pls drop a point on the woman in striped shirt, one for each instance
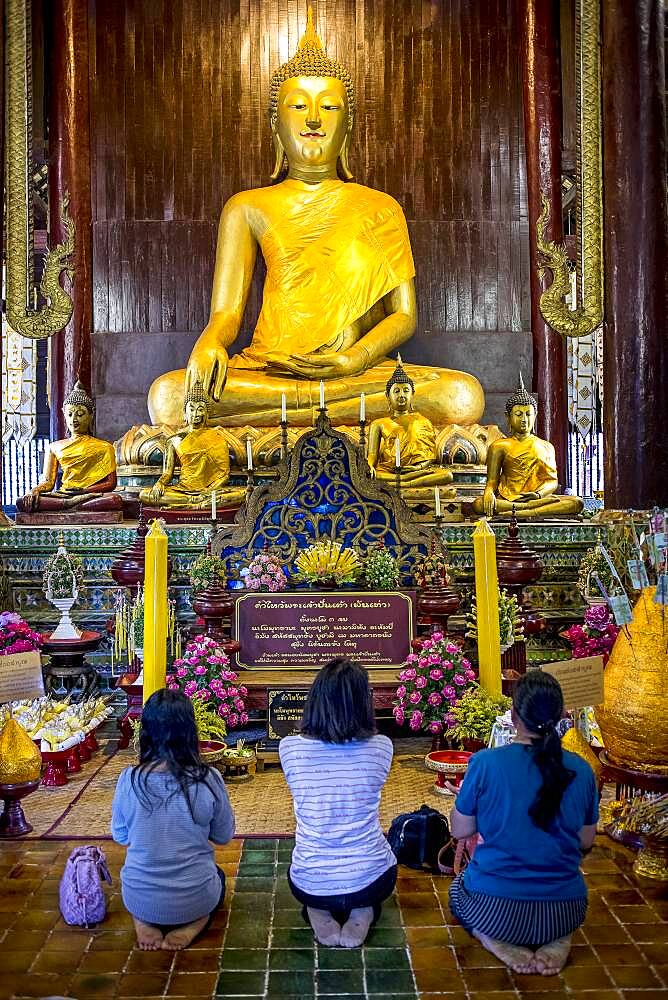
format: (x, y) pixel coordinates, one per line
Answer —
(535, 807)
(342, 866)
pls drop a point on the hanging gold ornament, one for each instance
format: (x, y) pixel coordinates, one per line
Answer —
(20, 760)
(574, 741)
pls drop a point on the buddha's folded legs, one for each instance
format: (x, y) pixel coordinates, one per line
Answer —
(552, 506)
(253, 397)
(63, 502)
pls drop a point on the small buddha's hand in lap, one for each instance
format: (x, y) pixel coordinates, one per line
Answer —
(208, 365)
(156, 493)
(525, 497)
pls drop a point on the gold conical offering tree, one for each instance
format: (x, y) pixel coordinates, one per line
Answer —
(634, 714)
(20, 760)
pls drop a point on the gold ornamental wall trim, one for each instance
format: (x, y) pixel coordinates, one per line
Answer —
(551, 256)
(34, 323)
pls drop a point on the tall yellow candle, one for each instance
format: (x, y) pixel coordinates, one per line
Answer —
(487, 604)
(156, 610)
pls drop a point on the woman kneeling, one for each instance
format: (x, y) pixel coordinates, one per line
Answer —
(342, 866)
(535, 807)
(166, 810)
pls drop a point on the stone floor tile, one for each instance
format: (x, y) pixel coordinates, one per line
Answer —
(486, 979)
(439, 979)
(434, 958)
(297, 982)
(192, 984)
(244, 959)
(133, 984)
(331, 959)
(241, 984)
(86, 986)
(338, 981)
(292, 959)
(634, 976)
(107, 961)
(389, 981)
(586, 977)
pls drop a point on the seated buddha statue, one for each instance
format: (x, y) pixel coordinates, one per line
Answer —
(522, 468)
(415, 434)
(201, 453)
(339, 292)
(85, 464)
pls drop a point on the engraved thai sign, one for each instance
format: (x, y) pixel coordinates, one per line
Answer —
(303, 631)
(581, 680)
(21, 676)
(285, 707)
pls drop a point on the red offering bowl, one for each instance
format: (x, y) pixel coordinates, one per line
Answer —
(56, 768)
(12, 821)
(450, 765)
(73, 761)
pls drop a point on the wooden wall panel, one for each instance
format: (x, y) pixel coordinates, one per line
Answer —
(179, 93)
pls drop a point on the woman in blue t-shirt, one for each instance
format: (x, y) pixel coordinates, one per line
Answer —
(535, 807)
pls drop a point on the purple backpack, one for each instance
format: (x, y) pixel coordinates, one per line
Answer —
(82, 900)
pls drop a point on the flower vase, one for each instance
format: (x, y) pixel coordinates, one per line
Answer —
(66, 628)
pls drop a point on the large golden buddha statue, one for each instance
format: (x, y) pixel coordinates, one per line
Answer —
(86, 465)
(197, 462)
(408, 435)
(339, 293)
(522, 468)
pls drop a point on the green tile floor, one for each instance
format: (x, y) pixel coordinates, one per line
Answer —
(270, 952)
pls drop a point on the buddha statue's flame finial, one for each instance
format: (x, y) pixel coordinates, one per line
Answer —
(310, 38)
(399, 375)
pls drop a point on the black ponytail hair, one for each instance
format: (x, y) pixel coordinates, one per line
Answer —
(539, 703)
(168, 739)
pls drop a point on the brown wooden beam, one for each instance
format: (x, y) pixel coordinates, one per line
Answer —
(635, 356)
(69, 171)
(542, 137)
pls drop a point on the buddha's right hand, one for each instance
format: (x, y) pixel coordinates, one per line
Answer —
(208, 365)
(156, 492)
(488, 502)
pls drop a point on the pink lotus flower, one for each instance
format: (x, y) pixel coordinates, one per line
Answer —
(173, 687)
(436, 674)
(412, 658)
(470, 675)
(182, 672)
(435, 698)
(243, 718)
(410, 674)
(415, 697)
(243, 690)
(199, 670)
(420, 682)
(415, 720)
(437, 636)
(190, 689)
(399, 715)
(435, 727)
(459, 680)
(449, 691)
(451, 648)
(224, 710)
(401, 691)
(233, 719)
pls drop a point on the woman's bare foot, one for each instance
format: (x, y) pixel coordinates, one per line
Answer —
(325, 927)
(149, 938)
(183, 936)
(520, 960)
(552, 957)
(354, 931)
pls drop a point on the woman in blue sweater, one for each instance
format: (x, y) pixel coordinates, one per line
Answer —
(168, 810)
(536, 807)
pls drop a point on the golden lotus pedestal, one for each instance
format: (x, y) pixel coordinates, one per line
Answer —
(652, 860)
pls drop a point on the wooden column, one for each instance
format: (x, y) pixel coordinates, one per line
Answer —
(542, 139)
(69, 171)
(635, 418)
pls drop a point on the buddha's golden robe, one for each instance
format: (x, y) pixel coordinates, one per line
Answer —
(336, 251)
(527, 466)
(205, 463)
(417, 442)
(84, 461)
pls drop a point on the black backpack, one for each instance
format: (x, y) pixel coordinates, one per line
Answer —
(417, 838)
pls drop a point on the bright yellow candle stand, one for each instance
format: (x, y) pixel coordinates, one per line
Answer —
(487, 604)
(156, 610)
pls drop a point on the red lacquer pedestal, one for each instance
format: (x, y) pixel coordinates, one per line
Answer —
(55, 775)
(12, 820)
(450, 765)
(134, 694)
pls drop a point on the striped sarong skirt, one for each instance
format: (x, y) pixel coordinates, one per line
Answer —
(527, 922)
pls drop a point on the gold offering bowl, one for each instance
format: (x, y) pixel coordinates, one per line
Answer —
(212, 751)
(652, 860)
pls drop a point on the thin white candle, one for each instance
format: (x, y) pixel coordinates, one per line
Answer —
(362, 408)
(322, 395)
(249, 455)
(437, 498)
(397, 453)
(284, 409)
(213, 505)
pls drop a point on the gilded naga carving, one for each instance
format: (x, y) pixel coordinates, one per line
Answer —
(589, 313)
(22, 317)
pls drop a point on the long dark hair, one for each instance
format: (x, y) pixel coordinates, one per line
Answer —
(168, 737)
(539, 704)
(339, 706)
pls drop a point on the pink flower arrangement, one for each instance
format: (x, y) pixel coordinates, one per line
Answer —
(16, 636)
(596, 636)
(203, 672)
(264, 573)
(432, 681)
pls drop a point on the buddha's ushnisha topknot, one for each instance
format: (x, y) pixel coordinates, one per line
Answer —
(399, 375)
(521, 398)
(197, 393)
(79, 397)
(310, 59)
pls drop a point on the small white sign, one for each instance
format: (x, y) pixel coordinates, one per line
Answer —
(581, 680)
(21, 676)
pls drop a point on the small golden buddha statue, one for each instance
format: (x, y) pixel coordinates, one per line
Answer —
(87, 466)
(202, 454)
(522, 468)
(414, 433)
(339, 293)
